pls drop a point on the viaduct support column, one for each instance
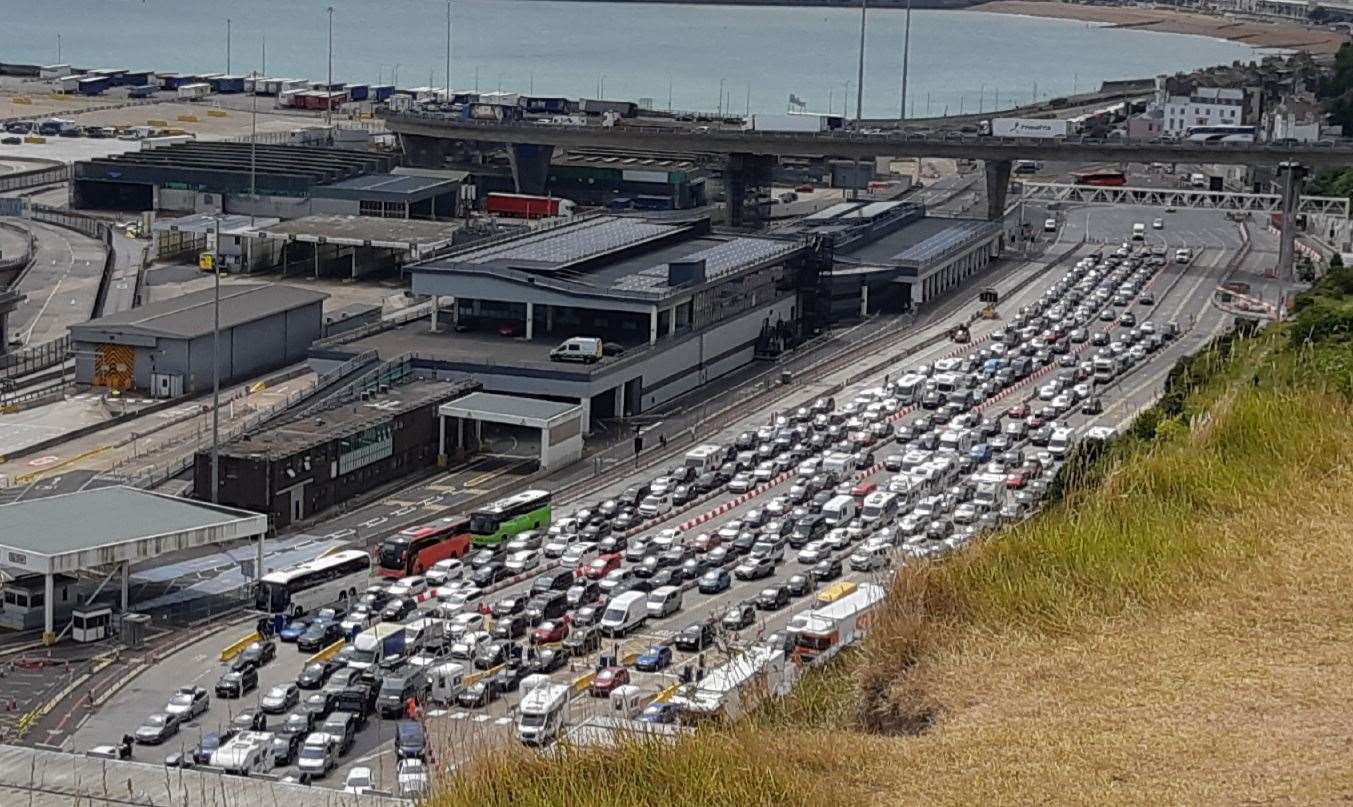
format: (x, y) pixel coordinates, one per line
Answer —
(530, 166)
(1293, 174)
(743, 177)
(425, 152)
(998, 183)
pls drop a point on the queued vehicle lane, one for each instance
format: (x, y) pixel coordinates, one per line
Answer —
(495, 723)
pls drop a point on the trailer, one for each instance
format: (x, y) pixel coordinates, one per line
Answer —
(525, 206)
(358, 92)
(491, 111)
(291, 99)
(597, 106)
(134, 78)
(142, 91)
(820, 633)
(1038, 128)
(381, 92)
(54, 71)
(152, 142)
(68, 83)
(193, 92)
(730, 691)
(227, 84)
(788, 122)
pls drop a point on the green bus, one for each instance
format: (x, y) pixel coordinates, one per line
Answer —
(498, 522)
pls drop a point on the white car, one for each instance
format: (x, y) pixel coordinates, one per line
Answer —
(814, 551)
(444, 571)
(413, 778)
(358, 781)
(1063, 403)
(666, 538)
(1158, 224)
(837, 538)
(523, 560)
(465, 648)
(1050, 225)
(409, 586)
(764, 471)
(730, 531)
(740, 483)
(466, 622)
(577, 554)
(966, 513)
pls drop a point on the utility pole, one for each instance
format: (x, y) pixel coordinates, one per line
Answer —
(329, 83)
(906, 59)
(227, 46)
(859, 96)
(448, 51)
(216, 368)
(721, 81)
(58, 48)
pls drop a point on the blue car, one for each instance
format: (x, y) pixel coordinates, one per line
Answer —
(293, 629)
(654, 659)
(659, 713)
(980, 452)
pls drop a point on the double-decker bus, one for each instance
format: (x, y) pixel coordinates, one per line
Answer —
(1106, 178)
(313, 584)
(416, 549)
(528, 510)
(1220, 134)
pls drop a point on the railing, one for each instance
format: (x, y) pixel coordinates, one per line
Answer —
(34, 358)
(31, 179)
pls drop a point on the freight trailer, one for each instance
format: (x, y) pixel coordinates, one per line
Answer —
(525, 206)
(381, 92)
(1040, 128)
(193, 92)
(791, 122)
(227, 84)
(94, 85)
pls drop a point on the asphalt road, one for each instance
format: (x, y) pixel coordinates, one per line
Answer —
(61, 285)
(1183, 296)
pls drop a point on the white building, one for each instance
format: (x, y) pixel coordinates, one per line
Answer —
(1296, 119)
(1207, 106)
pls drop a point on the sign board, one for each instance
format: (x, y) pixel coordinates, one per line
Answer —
(206, 261)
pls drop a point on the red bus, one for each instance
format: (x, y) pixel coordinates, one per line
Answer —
(1107, 178)
(416, 549)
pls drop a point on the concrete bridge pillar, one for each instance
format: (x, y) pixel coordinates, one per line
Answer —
(998, 183)
(425, 152)
(530, 166)
(745, 175)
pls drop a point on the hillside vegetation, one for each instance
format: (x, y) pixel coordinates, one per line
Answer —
(1176, 629)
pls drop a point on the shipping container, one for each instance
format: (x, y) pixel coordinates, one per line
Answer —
(358, 92)
(625, 109)
(193, 92)
(1043, 129)
(547, 105)
(54, 71)
(227, 84)
(491, 112)
(500, 98)
(381, 92)
(524, 206)
(68, 83)
(143, 91)
(134, 78)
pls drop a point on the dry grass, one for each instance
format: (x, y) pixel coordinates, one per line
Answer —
(1181, 633)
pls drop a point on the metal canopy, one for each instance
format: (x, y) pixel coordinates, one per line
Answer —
(87, 529)
(510, 409)
(1180, 197)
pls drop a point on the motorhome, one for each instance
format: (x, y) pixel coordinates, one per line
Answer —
(541, 713)
(245, 753)
(820, 633)
(879, 506)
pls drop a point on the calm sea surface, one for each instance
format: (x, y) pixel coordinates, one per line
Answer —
(960, 60)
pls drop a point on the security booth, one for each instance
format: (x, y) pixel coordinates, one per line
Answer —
(547, 430)
(134, 629)
(91, 624)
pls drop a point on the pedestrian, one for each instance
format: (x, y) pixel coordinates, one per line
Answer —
(662, 440)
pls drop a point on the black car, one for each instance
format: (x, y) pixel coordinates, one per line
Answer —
(157, 728)
(551, 605)
(581, 641)
(692, 569)
(318, 704)
(319, 635)
(285, 747)
(491, 654)
(477, 695)
(660, 578)
(237, 682)
(682, 494)
(398, 608)
(296, 724)
(255, 655)
(508, 679)
(582, 593)
(490, 573)
(696, 637)
(510, 627)
(211, 742)
(316, 674)
(773, 599)
(800, 585)
(397, 688)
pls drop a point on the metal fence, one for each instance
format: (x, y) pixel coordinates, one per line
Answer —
(31, 179)
(34, 358)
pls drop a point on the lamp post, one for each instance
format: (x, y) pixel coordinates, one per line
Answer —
(448, 51)
(216, 367)
(329, 83)
(906, 58)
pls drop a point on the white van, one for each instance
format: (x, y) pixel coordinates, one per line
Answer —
(624, 613)
(839, 510)
(663, 601)
(655, 505)
(586, 349)
(1139, 232)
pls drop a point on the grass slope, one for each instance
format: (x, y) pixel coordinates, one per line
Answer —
(1175, 630)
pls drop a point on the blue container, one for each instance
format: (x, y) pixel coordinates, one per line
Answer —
(358, 92)
(227, 84)
(94, 86)
(381, 92)
(143, 91)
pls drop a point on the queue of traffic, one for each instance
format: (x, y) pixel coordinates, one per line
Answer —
(447, 623)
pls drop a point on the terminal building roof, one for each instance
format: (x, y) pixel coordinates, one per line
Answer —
(614, 257)
(190, 316)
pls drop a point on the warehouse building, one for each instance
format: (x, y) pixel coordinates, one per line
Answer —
(891, 256)
(675, 305)
(301, 468)
(165, 349)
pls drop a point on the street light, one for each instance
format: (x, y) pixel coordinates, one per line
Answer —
(216, 366)
(329, 84)
(906, 58)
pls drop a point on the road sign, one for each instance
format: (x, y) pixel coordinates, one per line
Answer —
(206, 261)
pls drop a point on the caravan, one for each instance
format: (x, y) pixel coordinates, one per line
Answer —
(542, 713)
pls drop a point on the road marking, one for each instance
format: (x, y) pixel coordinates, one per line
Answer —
(503, 721)
(403, 511)
(343, 533)
(436, 713)
(459, 715)
(481, 718)
(374, 522)
(431, 500)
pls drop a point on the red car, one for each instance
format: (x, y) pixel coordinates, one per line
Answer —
(1035, 422)
(863, 489)
(706, 541)
(1017, 480)
(556, 630)
(605, 682)
(602, 566)
(510, 329)
(1019, 410)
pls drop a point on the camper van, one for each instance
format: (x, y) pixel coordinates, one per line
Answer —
(541, 713)
(448, 680)
(880, 506)
(1061, 441)
(585, 349)
(839, 510)
(706, 457)
(247, 752)
(625, 613)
